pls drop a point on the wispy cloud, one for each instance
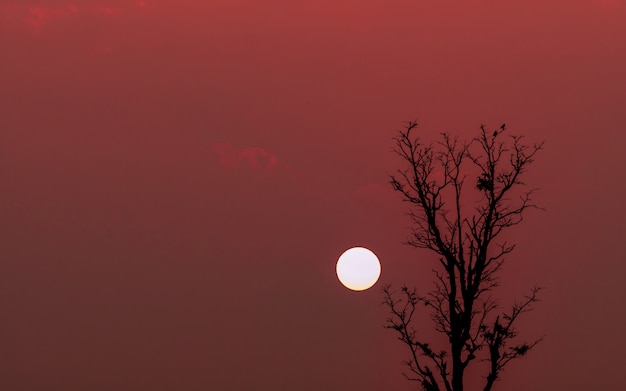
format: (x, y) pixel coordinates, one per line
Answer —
(255, 158)
(38, 15)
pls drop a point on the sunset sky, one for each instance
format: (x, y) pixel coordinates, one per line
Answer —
(179, 177)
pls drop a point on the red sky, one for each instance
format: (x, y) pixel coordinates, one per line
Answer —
(178, 178)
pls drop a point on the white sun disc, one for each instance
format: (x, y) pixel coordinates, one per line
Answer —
(358, 268)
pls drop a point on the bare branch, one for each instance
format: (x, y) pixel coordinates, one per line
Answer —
(499, 336)
(463, 226)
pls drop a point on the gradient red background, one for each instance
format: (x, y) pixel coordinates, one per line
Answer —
(178, 178)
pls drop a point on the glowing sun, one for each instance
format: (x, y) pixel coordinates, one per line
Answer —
(358, 268)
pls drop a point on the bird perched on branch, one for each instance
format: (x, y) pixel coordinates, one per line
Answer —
(502, 127)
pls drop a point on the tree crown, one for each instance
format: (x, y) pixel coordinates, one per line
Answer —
(463, 226)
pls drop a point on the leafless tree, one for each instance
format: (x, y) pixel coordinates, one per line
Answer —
(463, 194)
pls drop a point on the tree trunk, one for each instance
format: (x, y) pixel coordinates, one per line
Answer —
(457, 366)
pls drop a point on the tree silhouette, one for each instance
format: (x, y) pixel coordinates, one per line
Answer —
(462, 225)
